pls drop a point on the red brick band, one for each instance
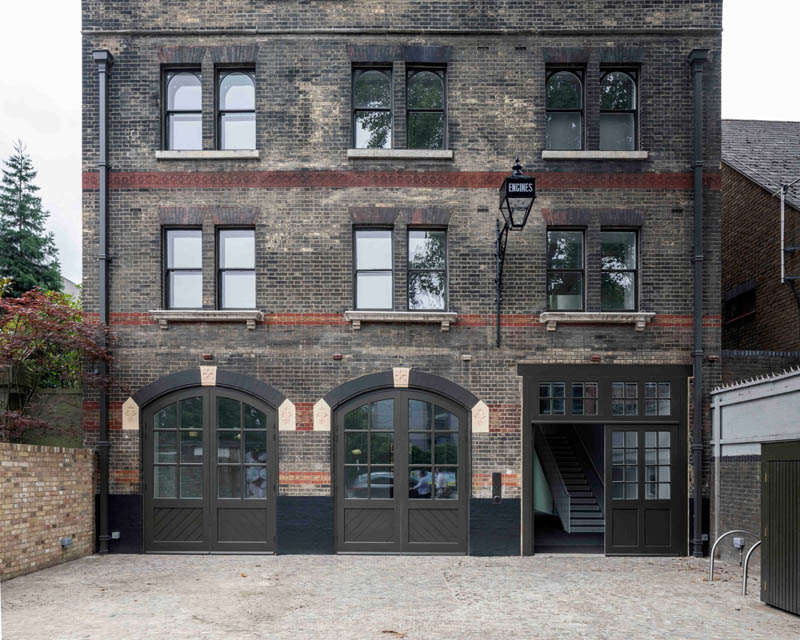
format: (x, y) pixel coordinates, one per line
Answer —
(388, 179)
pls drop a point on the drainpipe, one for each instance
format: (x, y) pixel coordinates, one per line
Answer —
(104, 60)
(697, 59)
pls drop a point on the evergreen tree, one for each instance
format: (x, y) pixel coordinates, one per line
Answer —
(28, 254)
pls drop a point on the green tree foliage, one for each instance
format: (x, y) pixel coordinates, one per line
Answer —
(28, 255)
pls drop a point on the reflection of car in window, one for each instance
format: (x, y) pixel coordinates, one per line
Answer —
(382, 485)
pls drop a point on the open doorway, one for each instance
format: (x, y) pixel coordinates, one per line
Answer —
(568, 488)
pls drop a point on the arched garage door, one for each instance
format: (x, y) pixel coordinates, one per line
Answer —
(401, 466)
(210, 472)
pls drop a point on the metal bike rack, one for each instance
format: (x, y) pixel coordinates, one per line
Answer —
(744, 569)
(718, 540)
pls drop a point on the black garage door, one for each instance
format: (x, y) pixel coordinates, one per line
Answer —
(401, 474)
(645, 490)
(210, 473)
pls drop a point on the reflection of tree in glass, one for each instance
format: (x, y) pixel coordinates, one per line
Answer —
(418, 455)
(373, 90)
(563, 91)
(446, 453)
(425, 129)
(616, 287)
(564, 251)
(617, 91)
(426, 288)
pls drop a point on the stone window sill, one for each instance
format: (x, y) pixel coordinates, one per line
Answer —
(399, 154)
(243, 154)
(445, 318)
(594, 155)
(165, 316)
(638, 318)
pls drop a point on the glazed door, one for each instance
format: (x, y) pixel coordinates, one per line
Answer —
(645, 490)
(401, 473)
(210, 473)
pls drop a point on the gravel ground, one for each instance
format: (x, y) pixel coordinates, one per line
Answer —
(384, 597)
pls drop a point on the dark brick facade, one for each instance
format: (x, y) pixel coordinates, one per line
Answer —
(750, 256)
(740, 503)
(304, 195)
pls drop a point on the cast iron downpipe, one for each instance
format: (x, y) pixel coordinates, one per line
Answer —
(697, 59)
(104, 60)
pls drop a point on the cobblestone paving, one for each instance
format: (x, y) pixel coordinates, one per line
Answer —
(547, 596)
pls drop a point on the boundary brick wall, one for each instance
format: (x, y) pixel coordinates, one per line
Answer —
(740, 504)
(46, 493)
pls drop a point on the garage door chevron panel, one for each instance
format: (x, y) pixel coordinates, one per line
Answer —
(177, 525)
(369, 525)
(439, 525)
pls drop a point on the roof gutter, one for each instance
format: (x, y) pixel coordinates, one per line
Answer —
(697, 60)
(104, 60)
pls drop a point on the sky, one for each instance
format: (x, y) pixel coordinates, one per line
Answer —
(40, 91)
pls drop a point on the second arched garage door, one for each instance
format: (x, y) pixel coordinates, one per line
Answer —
(401, 464)
(210, 472)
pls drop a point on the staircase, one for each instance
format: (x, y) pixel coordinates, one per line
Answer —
(585, 515)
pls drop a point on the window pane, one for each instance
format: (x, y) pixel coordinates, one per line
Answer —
(185, 290)
(237, 249)
(166, 446)
(373, 130)
(425, 91)
(443, 420)
(184, 249)
(563, 131)
(426, 249)
(616, 291)
(381, 483)
(167, 418)
(419, 415)
(183, 92)
(419, 483)
(419, 448)
(565, 249)
(253, 418)
(184, 131)
(192, 413)
(255, 482)
(356, 482)
(617, 132)
(166, 482)
(564, 91)
(373, 90)
(617, 91)
(238, 131)
(255, 447)
(239, 290)
(374, 249)
(237, 91)
(557, 389)
(618, 250)
(446, 448)
(564, 291)
(229, 482)
(425, 130)
(381, 449)
(228, 414)
(355, 447)
(357, 418)
(425, 290)
(374, 290)
(192, 482)
(382, 415)
(445, 484)
(191, 446)
(663, 438)
(229, 447)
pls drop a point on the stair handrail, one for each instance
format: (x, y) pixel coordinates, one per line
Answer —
(717, 541)
(557, 485)
(593, 476)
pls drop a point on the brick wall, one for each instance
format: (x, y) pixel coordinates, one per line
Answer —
(303, 194)
(740, 504)
(749, 255)
(745, 363)
(46, 493)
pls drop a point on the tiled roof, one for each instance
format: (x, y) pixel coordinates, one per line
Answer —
(767, 152)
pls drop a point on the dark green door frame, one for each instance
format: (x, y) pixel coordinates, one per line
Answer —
(604, 375)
